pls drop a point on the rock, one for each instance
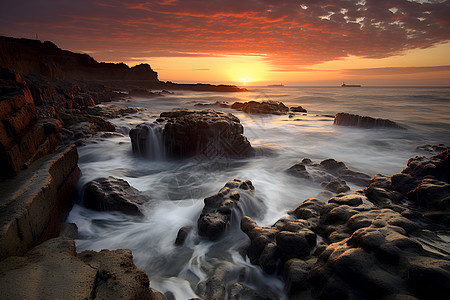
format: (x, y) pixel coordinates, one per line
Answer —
(336, 186)
(23, 139)
(53, 270)
(182, 234)
(188, 133)
(69, 230)
(34, 202)
(424, 182)
(49, 271)
(113, 194)
(216, 214)
(298, 109)
(328, 170)
(434, 149)
(117, 275)
(346, 119)
(290, 237)
(140, 93)
(214, 287)
(148, 141)
(264, 107)
(222, 104)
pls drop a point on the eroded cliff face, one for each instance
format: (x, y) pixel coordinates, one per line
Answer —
(45, 58)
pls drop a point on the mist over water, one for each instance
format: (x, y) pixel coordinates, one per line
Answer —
(177, 188)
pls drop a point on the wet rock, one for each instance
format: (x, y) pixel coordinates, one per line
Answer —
(434, 149)
(290, 237)
(328, 170)
(264, 107)
(336, 186)
(298, 109)
(216, 214)
(222, 104)
(182, 235)
(424, 183)
(112, 194)
(208, 133)
(346, 119)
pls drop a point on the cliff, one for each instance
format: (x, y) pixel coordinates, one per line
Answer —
(27, 56)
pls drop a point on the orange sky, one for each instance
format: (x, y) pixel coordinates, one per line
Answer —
(256, 42)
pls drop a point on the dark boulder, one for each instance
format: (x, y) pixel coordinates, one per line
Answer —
(264, 107)
(189, 132)
(113, 194)
(298, 109)
(346, 119)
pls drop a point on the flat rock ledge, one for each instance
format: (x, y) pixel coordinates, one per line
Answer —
(346, 119)
(33, 203)
(53, 270)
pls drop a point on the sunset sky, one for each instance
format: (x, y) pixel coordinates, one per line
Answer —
(256, 42)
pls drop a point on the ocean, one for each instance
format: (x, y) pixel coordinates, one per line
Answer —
(177, 188)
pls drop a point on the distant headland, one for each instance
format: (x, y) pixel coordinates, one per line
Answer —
(26, 56)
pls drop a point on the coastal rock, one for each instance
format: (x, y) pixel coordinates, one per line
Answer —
(298, 109)
(327, 171)
(346, 119)
(23, 139)
(182, 235)
(424, 183)
(189, 132)
(290, 237)
(264, 107)
(368, 252)
(222, 104)
(34, 202)
(53, 270)
(216, 214)
(113, 194)
(117, 276)
(434, 149)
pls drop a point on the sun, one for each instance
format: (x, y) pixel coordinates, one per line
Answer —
(245, 80)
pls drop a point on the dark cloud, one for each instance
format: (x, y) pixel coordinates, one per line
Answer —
(288, 31)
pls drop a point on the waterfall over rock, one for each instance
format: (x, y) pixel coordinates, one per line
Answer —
(148, 141)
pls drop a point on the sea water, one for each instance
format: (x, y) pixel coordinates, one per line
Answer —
(177, 188)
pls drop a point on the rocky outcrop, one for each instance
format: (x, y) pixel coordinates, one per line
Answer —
(425, 183)
(346, 119)
(264, 107)
(328, 171)
(113, 194)
(81, 124)
(367, 253)
(53, 270)
(290, 237)
(222, 104)
(189, 132)
(23, 139)
(216, 214)
(34, 202)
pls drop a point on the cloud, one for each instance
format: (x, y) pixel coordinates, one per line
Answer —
(288, 32)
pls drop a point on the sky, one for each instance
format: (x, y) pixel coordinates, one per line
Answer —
(251, 42)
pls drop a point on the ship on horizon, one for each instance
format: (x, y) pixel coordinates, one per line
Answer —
(350, 85)
(275, 85)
